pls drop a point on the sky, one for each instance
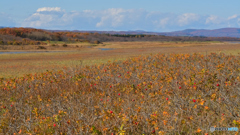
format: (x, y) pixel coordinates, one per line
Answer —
(120, 15)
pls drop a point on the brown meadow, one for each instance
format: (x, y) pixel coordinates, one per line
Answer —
(162, 93)
(16, 65)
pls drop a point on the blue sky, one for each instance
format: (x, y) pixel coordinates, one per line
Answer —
(152, 15)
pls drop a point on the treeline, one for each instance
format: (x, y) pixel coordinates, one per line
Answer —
(30, 36)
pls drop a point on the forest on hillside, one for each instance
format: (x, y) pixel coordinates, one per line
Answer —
(31, 36)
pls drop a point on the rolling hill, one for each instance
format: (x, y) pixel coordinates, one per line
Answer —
(22, 36)
(224, 32)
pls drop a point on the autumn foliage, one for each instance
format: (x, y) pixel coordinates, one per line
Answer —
(155, 94)
(31, 36)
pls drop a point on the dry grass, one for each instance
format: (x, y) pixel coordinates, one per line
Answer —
(58, 46)
(149, 44)
(16, 65)
(52, 46)
(13, 65)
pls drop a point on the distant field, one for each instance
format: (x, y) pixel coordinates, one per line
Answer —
(13, 65)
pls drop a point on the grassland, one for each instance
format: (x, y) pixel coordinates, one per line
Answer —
(16, 65)
(174, 90)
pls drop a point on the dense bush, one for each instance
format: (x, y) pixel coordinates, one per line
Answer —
(1, 42)
(97, 42)
(155, 94)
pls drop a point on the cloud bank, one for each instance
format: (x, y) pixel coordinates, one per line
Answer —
(124, 19)
(6, 20)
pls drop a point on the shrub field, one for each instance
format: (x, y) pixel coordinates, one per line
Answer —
(154, 94)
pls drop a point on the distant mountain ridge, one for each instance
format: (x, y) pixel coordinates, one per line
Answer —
(224, 32)
(26, 36)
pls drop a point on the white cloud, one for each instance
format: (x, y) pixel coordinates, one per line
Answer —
(164, 22)
(6, 20)
(49, 9)
(187, 18)
(232, 17)
(48, 17)
(119, 17)
(213, 19)
(115, 16)
(238, 21)
(124, 19)
(233, 21)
